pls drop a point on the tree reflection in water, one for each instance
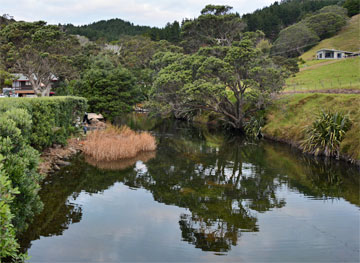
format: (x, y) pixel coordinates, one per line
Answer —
(223, 183)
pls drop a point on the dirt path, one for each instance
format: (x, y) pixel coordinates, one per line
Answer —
(320, 64)
(330, 91)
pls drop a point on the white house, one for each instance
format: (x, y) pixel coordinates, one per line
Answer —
(332, 54)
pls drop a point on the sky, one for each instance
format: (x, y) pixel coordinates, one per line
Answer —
(140, 12)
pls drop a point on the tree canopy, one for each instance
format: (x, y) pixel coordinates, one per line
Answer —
(215, 25)
(231, 81)
(38, 51)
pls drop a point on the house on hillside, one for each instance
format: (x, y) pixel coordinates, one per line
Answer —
(22, 86)
(332, 54)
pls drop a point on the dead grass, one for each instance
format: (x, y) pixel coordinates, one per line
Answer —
(115, 143)
(121, 164)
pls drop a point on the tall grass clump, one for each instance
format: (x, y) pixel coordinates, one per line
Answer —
(325, 134)
(116, 143)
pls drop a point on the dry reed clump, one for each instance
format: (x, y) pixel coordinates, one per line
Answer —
(115, 143)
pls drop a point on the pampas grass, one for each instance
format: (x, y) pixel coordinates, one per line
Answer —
(115, 143)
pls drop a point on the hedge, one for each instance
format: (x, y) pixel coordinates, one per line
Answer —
(26, 126)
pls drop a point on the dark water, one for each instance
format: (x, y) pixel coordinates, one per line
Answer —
(201, 198)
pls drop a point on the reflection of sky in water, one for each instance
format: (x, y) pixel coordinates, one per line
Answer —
(126, 225)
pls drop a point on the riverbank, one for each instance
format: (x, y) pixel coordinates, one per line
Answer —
(290, 114)
(52, 159)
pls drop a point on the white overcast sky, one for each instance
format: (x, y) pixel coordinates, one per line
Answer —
(140, 12)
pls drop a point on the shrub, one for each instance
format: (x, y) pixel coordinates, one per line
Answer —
(8, 244)
(117, 143)
(294, 40)
(325, 134)
(253, 127)
(46, 113)
(25, 124)
(325, 24)
(353, 7)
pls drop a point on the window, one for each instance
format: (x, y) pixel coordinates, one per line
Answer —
(329, 54)
(320, 55)
(27, 83)
(339, 55)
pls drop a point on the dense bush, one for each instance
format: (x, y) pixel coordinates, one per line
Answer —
(26, 124)
(52, 117)
(8, 244)
(325, 134)
(341, 11)
(353, 7)
(325, 24)
(294, 40)
(110, 88)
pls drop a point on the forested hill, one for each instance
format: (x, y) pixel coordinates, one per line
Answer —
(272, 19)
(113, 29)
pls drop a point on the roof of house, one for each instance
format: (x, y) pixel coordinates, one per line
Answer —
(25, 91)
(328, 49)
(22, 77)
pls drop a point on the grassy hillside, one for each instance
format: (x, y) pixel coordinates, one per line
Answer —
(288, 117)
(333, 74)
(347, 39)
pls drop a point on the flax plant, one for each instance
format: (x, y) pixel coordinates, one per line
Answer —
(325, 134)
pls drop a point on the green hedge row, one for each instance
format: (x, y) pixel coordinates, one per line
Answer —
(52, 117)
(28, 125)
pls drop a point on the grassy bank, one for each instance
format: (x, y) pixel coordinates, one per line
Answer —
(339, 74)
(347, 39)
(288, 117)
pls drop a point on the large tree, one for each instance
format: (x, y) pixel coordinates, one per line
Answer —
(231, 81)
(39, 52)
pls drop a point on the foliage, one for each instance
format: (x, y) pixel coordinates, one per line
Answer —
(325, 24)
(347, 39)
(215, 25)
(297, 38)
(294, 40)
(27, 123)
(335, 9)
(288, 116)
(352, 6)
(8, 243)
(325, 134)
(110, 88)
(115, 29)
(20, 163)
(272, 19)
(253, 127)
(136, 54)
(38, 51)
(53, 118)
(232, 81)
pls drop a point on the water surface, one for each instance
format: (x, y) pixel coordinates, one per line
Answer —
(202, 197)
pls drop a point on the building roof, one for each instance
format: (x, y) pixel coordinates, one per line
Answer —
(24, 91)
(334, 50)
(22, 77)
